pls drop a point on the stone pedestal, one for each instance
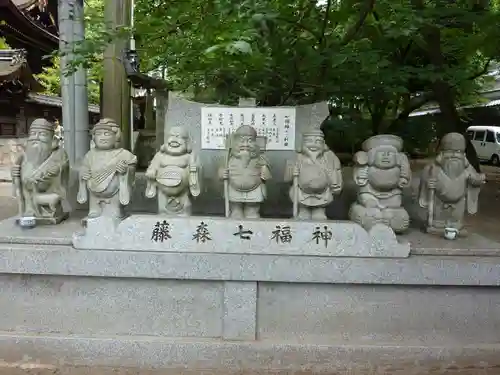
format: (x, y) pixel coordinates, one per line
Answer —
(225, 312)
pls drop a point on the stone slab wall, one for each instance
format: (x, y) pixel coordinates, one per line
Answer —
(248, 311)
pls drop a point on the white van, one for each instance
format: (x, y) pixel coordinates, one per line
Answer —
(486, 141)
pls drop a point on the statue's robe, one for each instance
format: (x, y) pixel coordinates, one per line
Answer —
(105, 182)
(247, 182)
(316, 179)
(452, 196)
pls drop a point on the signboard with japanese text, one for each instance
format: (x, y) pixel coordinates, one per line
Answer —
(276, 124)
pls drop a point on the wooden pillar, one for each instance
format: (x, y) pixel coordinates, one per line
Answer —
(149, 122)
(116, 89)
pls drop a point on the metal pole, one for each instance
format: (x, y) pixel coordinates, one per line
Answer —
(132, 90)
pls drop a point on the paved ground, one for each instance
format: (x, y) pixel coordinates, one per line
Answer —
(8, 205)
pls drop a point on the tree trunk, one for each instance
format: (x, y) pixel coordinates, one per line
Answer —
(444, 94)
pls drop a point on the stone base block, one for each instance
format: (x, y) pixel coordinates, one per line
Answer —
(221, 235)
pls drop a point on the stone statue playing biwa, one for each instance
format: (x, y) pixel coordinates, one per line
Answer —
(449, 187)
(316, 177)
(174, 174)
(40, 177)
(107, 173)
(245, 173)
(381, 171)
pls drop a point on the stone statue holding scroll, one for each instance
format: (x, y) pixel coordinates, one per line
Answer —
(107, 173)
(174, 174)
(381, 171)
(40, 176)
(449, 187)
(244, 174)
(316, 176)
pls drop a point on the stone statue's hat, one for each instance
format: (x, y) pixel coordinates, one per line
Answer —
(383, 140)
(42, 124)
(313, 131)
(453, 142)
(106, 123)
(245, 130)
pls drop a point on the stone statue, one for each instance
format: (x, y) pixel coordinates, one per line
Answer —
(175, 174)
(245, 174)
(107, 173)
(449, 186)
(381, 171)
(316, 177)
(40, 177)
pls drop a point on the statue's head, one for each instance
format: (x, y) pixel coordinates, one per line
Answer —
(178, 142)
(41, 141)
(383, 150)
(451, 156)
(244, 142)
(313, 142)
(106, 134)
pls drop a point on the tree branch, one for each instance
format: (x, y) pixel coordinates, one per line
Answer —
(482, 72)
(414, 104)
(353, 31)
(325, 22)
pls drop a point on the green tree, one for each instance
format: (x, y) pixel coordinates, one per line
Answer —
(50, 78)
(376, 60)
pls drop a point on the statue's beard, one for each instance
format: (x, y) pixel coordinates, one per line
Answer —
(37, 152)
(245, 156)
(453, 167)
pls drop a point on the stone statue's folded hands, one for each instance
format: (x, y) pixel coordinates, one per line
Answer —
(431, 183)
(16, 171)
(85, 175)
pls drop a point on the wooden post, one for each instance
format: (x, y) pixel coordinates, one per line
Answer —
(116, 89)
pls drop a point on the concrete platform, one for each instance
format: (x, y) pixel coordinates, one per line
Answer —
(187, 313)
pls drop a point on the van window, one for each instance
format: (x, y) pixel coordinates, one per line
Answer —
(470, 134)
(490, 136)
(498, 137)
(479, 135)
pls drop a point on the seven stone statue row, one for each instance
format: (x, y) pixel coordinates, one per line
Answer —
(449, 185)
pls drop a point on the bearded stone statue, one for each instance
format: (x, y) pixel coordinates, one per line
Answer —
(449, 187)
(40, 176)
(245, 174)
(174, 174)
(316, 177)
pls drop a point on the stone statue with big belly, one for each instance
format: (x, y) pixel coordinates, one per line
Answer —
(174, 174)
(316, 177)
(381, 171)
(107, 173)
(245, 174)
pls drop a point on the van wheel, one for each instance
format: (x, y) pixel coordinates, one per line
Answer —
(495, 160)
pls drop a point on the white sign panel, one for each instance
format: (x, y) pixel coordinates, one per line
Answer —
(276, 124)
